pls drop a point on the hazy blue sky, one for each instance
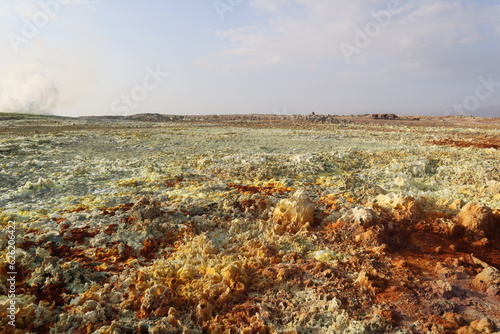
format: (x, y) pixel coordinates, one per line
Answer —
(90, 57)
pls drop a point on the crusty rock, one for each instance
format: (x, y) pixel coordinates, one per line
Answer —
(443, 288)
(375, 237)
(407, 210)
(294, 213)
(484, 325)
(361, 216)
(155, 297)
(404, 208)
(144, 209)
(490, 276)
(148, 217)
(454, 318)
(475, 217)
(456, 204)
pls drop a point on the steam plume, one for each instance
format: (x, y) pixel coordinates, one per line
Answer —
(28, 90)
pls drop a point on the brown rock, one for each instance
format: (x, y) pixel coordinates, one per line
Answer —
(475, 217)
(455, 319)
(484, 325)
(444, 289)
(456, 204)
(361, 216)
(145, 208)
(467, 330)
(490, 276)
(408, 209)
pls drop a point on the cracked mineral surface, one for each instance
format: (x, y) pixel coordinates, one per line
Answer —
(259, 224)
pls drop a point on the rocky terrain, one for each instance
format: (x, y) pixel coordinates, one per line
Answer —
(251, 224)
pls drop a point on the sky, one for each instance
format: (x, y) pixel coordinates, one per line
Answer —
(122, 57)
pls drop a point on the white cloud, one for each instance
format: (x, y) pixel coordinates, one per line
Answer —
(27, 9)
(425, 38)
(269, 6)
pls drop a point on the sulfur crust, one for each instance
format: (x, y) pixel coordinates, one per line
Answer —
(251, 229)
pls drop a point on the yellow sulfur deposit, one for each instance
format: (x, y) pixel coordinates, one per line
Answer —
(294, 214)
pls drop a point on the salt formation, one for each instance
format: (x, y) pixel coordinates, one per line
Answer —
(362, 216)
(404, 208)
(295, 213)
(147, 215)
(145, 209)
(36, 185)
(475, 217)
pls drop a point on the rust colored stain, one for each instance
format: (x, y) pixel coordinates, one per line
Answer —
(78, 235)
(78, 209)
(473, 142)
(51, 293)
(268, 190)
(111, 229)
(151, 246)
(58, 220)
(127, 220)
(106, 212)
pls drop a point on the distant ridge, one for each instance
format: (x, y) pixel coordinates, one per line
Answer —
(144, 117)
(489, 111)
(5, 116)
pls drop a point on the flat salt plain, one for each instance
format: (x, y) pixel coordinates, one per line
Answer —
(128, 226)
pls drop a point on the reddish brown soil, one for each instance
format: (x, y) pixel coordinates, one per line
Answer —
(478, 142)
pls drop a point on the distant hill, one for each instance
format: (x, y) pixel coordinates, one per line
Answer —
(489, 111)
(6, 116)
(146, 117)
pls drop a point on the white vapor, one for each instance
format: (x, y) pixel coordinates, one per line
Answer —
(44, 71)
(28, 90)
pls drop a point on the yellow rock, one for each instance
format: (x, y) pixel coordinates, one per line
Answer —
(475, 217)
(323, 255)
(294, 213)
